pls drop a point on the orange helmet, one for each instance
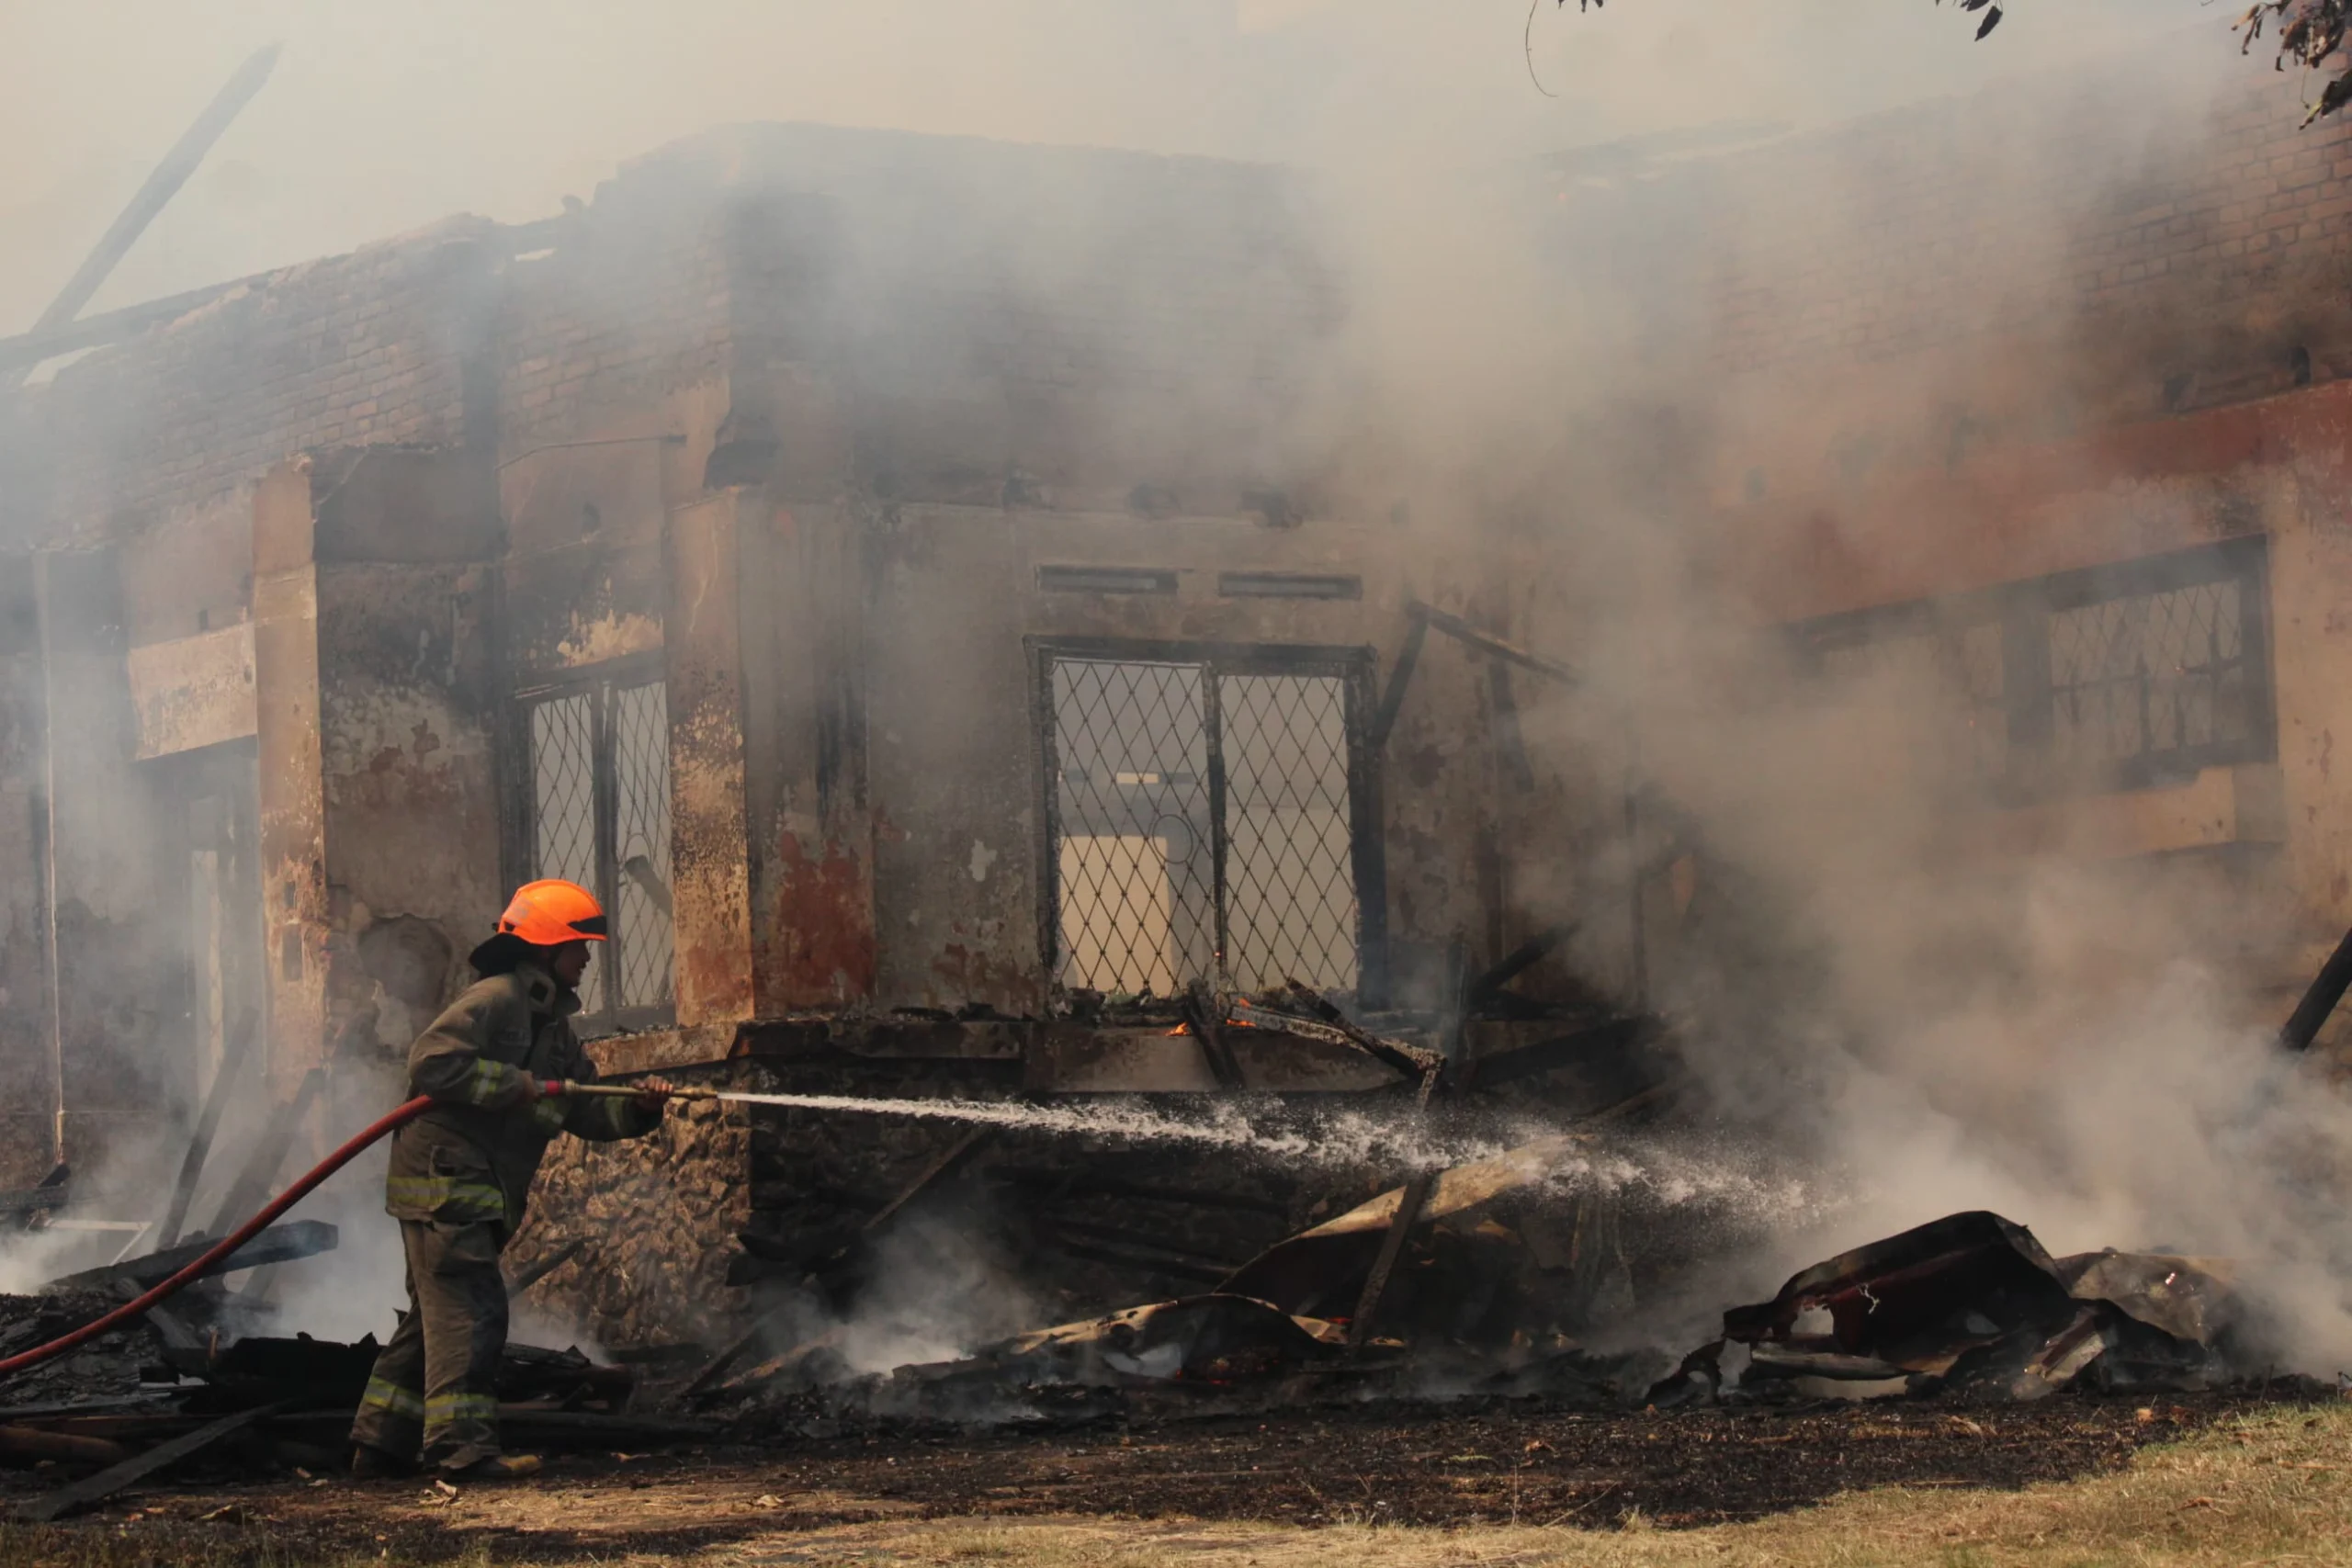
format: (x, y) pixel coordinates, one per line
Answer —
(552, 912)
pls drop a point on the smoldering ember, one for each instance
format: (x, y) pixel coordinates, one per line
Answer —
(1706, 806)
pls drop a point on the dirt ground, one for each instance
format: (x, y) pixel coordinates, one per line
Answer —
(1503, 1468)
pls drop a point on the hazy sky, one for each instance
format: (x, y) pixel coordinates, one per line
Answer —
(386, 114)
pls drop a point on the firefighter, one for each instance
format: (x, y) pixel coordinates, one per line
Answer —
(461, 1172)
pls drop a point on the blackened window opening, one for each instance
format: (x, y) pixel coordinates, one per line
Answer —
(1205, 817)
(597, 802)
(2117, 677)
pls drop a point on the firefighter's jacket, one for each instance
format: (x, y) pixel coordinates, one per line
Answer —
(471, 1157)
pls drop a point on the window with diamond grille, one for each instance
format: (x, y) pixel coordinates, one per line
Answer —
(2138, 679)
(2112, 678)
(599, 804)
(1204, 821)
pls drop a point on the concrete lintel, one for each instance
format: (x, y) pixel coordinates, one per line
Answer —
(193, 691)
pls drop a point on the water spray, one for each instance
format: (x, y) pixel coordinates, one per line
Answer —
(1347, 1139)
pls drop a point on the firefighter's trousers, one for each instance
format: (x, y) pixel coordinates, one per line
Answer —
(433, 1394)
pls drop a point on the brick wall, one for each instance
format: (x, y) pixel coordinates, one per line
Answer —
(632, 306)
(352, 350)
(2073, 209)
(988, 308)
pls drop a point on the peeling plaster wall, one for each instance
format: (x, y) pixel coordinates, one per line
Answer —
(409, 708)
(291, 787)
(583, 576)
(192, 571)
(377, 705)
(807, 801)
(953, 720)
(411, 796)
(710, 837)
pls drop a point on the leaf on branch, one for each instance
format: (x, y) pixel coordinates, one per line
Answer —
(1992, 20)
(2311, 33)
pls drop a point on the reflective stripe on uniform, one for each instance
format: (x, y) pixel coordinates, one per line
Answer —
(488, 1081)
(394, 1399)
(444, 1198)
(443, 1409)
(547, 1115)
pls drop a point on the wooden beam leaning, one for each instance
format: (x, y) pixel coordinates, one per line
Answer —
(278, 1243)
(1392, 1246)
(1204, 1013)
(2319, 1000)
(253, 1184)
(208, 1122)
(1487, 643)
(71, 1499)
(161, 184)
(1400, 680)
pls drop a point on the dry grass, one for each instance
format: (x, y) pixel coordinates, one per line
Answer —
(2269, 1488)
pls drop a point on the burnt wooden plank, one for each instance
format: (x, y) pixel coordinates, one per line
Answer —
(278, 1243)
(2319, 1000)
(208, 1122)
(1376, 1284)
(253, 1184)
(72, 1499)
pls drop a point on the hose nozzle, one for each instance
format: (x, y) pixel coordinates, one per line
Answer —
(625, 1091)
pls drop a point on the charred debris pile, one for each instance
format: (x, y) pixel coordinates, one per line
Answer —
(209, 1383)
(1523, 1272)
(209, 1380)
(1496, 1279)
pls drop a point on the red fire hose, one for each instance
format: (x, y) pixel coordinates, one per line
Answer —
(221, 1249)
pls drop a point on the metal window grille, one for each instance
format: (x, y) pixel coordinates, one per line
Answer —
(2136, 679)
(1205, 822)
(2110, 678)
(599, 804)
(1291, 902)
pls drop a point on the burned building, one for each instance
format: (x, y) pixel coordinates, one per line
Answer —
(926, 588)
(896, 573)
(2028, 412)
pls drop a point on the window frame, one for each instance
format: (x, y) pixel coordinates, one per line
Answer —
(599, 682)
(1355, 668)
(2023, 610)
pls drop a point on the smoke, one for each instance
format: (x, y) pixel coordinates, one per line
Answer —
(1860, 974)
(1527, 373)
(936, 1287)
(384, 117)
